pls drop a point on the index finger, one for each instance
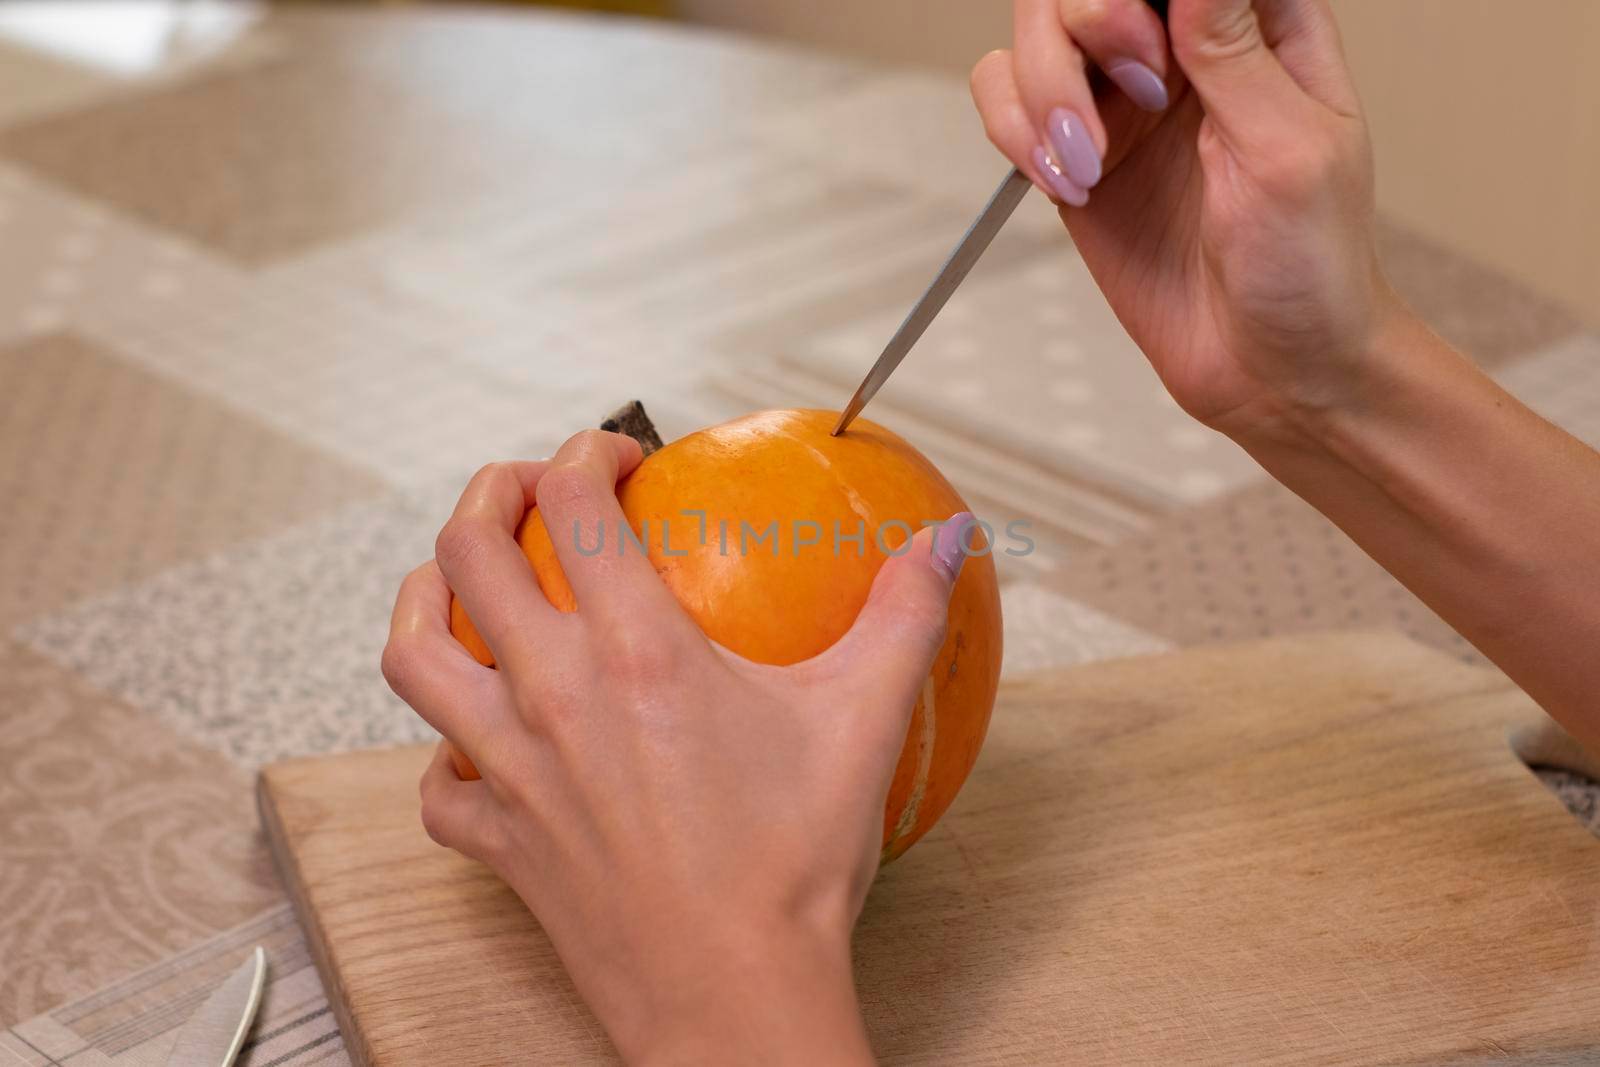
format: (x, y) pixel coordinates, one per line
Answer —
(1053, 86)
(589, 532)
(479, 556)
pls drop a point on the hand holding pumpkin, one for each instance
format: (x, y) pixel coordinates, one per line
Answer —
(696, 832)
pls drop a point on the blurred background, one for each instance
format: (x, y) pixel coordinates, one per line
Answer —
(1485, 113)
(1472, 103)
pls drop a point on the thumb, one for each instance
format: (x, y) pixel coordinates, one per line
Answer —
(1249, 97)
(891, 647)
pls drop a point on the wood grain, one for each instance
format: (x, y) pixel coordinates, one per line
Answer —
(1314, 850)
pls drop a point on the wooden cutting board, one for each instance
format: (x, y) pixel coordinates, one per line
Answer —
(1314, 850)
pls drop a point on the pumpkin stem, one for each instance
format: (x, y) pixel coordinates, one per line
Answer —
(631, 420)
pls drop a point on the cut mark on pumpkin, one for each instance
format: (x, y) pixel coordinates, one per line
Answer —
(852, 497)
(919, 784)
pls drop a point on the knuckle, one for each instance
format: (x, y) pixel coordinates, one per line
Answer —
(1231, 32)
(486, 483)
(565, 485)
(489, 472)
(1228, 34)
(582, 445)
(1302, 170)
(417, 576)
(638, 657)
(458, 542)
(497, 478)
(1081, 15)
(432, 821)
(398, 664)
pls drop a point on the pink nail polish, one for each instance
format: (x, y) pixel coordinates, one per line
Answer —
(1073, 148)
(1060, 186)
(950, 542)
(1139, 83)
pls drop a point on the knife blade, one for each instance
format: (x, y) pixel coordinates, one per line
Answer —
(977, 238)
(215, 1032)
(972, 245)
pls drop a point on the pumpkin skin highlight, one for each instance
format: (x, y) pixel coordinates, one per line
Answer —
(784, 607)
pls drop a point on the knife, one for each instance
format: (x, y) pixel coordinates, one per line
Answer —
(955, 269)
(215, 1032)
(977, 238)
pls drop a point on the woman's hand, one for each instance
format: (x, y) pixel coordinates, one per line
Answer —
(1230, 225)
(1231, 222)
(695, 832)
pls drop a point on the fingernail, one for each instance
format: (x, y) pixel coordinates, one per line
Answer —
(1073, 147)
(1061, 187)
(1141, 84)
(950, 544)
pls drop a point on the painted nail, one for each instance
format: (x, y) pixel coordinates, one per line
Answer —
(1073, 148)
(1061, 187)
(950, 544)
(1141, 84)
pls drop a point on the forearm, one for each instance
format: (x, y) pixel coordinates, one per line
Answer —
(1487, 512)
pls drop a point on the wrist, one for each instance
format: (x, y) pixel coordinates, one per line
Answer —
(781, 994)
(1412, 439)
(1397, 368)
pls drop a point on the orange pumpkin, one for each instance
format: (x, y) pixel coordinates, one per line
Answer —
(782, 604)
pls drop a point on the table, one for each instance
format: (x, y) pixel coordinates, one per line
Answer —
(266, 305)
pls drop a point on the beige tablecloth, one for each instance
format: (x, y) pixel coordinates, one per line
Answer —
(263, 311)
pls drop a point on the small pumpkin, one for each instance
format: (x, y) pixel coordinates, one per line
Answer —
(781, 603)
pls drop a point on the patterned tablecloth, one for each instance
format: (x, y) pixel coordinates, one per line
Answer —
(262, 312)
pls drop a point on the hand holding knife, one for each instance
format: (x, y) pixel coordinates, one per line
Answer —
(972, 245)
